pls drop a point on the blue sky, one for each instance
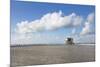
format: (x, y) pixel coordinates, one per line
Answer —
(49, 23)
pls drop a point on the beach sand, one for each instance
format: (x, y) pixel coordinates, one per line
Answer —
(39, 55)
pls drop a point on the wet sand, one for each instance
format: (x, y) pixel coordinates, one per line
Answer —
(39, 55)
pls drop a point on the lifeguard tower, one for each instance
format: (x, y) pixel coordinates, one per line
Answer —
(69, 41)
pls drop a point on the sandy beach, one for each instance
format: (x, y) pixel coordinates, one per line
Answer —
(39, 55)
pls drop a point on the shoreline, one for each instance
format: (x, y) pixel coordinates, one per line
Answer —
(51, 45)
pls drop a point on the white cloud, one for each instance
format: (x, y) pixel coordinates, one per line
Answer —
(87, 27)
(87, 39)
(90, 18)
(77, 20)
(20, 39)
(35, 38)
(49, 21)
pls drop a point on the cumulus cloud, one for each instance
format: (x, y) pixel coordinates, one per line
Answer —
(52, 21)
(90, 18)
(86, 29)
(49, 21)
(87, 26)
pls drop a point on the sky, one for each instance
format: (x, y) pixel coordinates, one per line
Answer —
(51, 23)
